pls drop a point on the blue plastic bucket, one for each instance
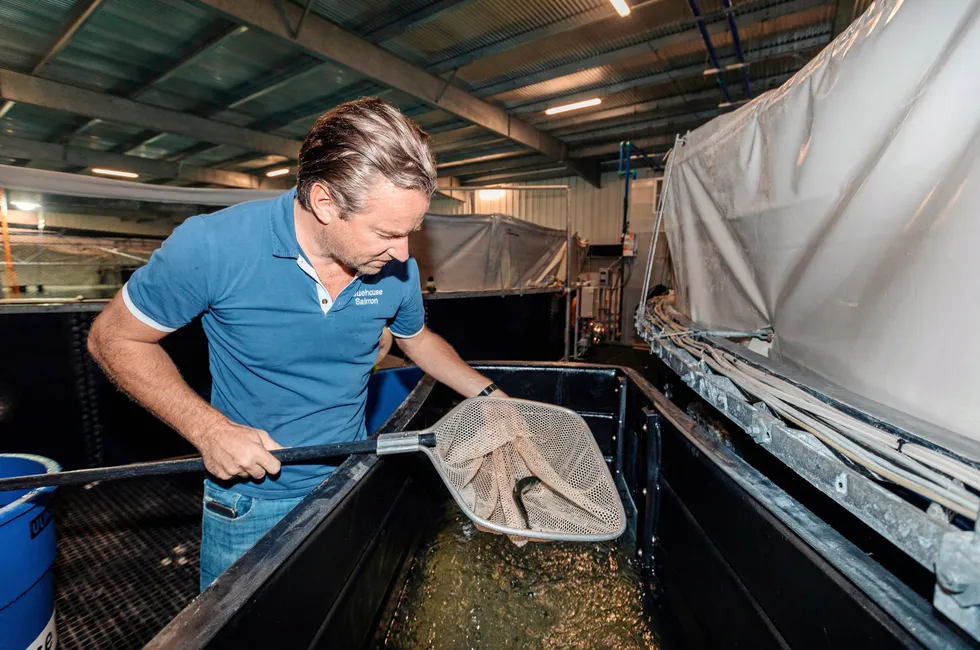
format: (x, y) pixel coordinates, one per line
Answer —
(27, 550)
(387, 389)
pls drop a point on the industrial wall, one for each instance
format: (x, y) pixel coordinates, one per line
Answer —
(597, 214)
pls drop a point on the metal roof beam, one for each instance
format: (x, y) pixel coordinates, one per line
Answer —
(314, 107)
(650, 161)
(654, 142)
(603, 12)
(216, 35)
(427, 120)
(564, 125)
(446, 138)
(51, 94)
(74, 22)
(469, 145)
(632, 130)
(482, 165)
(193, 150)
(418, 18)
(322, 38)
(81, 14)
(268, 167)
(243, 158)
(639, 115)
(213, 36)
(456, 146)
(568, 125)
(543, 173)
(82, 157)
(300, 68)
(304, 66)
(487, 157)
(551, 124)
(311, 109)
(687, 35)
(776, 48)
(235, 97)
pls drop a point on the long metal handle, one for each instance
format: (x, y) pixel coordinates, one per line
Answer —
(196, 464)
(655, 235)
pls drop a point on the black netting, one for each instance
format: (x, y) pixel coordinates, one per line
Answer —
(128, 557)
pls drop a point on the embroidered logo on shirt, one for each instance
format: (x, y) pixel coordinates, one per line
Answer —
(359, 300)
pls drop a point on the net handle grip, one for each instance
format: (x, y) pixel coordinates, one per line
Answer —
(196, 464)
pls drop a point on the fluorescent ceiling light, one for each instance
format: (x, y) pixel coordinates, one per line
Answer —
(277, 172)
(26, 206)
(595, 101)
(492, 195)
(114, 172)
(621, 7)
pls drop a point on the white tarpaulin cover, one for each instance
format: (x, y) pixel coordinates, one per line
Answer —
(43, 180)
(491, 252)
(842, 211)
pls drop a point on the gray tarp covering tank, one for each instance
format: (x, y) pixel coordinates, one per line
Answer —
(488, 252)
(840, 210)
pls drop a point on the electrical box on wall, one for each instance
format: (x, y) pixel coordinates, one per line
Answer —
(629, 245)
(588, 307)
(604, 278)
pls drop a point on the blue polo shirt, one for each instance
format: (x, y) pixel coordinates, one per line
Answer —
(285, 357)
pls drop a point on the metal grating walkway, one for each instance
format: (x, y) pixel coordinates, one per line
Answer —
(128, 556)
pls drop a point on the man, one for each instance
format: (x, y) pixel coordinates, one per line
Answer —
(295, 293)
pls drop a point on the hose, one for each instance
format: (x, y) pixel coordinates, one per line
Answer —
(887, 457)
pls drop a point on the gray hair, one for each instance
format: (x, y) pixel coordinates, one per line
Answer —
(349, 144)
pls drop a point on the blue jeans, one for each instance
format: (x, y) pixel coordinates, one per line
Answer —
(231, 525)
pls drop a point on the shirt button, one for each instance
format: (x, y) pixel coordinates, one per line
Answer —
(325, 301)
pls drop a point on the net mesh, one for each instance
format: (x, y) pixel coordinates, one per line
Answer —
(527, 469)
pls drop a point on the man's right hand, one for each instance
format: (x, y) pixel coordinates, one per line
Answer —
(231, 450)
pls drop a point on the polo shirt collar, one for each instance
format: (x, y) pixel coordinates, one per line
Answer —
(282, 221)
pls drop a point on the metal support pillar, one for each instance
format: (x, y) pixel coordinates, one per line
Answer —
(650, 474)
(8, 259)
(620, 427)
(568, 270)
(651, 256)
(957, 590)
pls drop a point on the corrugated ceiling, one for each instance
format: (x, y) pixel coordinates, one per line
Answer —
(126, 43)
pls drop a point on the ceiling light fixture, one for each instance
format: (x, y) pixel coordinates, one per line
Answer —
(621, 7)
(277, 172)
(595, 101)
(26, 206)
(492, 195)
(114, 172)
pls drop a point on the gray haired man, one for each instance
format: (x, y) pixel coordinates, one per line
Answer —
(294, 293)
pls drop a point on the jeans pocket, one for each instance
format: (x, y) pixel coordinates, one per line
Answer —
(226, 504)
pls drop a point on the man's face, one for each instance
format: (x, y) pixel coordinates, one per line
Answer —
(377, 234)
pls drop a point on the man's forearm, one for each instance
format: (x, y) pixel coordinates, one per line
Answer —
(146, 372)
(436, 357)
